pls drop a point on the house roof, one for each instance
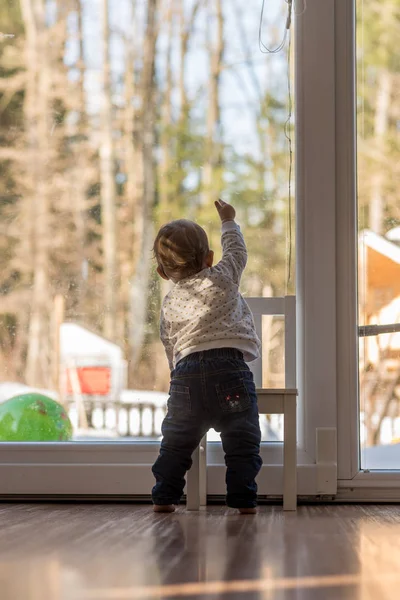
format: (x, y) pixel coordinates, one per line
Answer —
(394, 234)
(78, 343)
(379, 261)
(380, 244)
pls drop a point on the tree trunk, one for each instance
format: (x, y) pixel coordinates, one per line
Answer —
(38, 125)
(211, 187)
(75, 170)
(376, 210)
(143, 218)
(134, 179)
(81, 169)
(131, 167)
(107, 181)
(166, 124)
(186, 30)
(183, 130)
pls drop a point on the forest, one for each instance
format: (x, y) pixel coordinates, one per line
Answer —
(119, 115)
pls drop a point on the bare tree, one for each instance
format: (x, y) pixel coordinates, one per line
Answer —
(38, 126)
(130, 214)
(133, 172)
(143, 217)
(107, 181)
(186, 31)
(166, 140)
(213, 146)
(80, 168)
(175, 125)
(383, 101)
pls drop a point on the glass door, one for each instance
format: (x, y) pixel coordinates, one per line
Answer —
(367, 256)
(115, 118)
(378, 72)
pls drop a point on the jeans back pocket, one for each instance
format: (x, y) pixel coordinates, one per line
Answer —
(179, 404)
(233, 396)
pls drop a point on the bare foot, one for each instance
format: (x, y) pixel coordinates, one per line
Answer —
(164, 508)
(248, 511)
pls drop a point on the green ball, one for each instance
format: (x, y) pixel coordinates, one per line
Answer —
(34, 418)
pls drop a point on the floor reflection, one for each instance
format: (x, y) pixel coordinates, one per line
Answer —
(125, 552)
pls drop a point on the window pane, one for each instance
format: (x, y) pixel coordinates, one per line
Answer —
(378, 28)
(115, 118)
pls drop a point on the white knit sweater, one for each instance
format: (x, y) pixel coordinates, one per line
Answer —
(207, 311)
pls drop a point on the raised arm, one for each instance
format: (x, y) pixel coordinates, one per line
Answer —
(234, 252)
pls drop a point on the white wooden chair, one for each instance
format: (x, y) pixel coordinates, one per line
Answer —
(270, 401)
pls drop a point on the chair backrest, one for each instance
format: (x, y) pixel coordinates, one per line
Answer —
(285, 307)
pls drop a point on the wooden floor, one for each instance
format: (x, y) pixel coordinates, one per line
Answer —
(113, 552)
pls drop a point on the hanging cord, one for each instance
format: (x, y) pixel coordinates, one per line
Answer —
(263, 47)
(266, 50)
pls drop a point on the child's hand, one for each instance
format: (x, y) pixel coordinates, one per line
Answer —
(225, 211)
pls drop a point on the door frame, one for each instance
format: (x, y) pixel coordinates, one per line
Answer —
(354, 484)
(124, 468)
(326, 291)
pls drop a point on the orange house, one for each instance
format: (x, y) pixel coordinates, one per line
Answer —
(379, 297)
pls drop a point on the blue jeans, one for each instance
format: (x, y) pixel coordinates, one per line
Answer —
(214, 388)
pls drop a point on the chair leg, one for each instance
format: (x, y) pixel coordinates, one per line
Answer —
(193, 483)
(203, 471)
(290, 454)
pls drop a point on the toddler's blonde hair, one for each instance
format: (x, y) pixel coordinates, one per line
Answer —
(180, 249)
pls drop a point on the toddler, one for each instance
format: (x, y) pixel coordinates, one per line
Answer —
(208, 333)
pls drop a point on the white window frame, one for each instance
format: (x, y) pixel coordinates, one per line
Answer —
(326, 307)
(354, 484)
(346, 256)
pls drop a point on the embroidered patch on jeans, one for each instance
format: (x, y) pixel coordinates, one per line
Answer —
(233, 400)
(233, 396)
